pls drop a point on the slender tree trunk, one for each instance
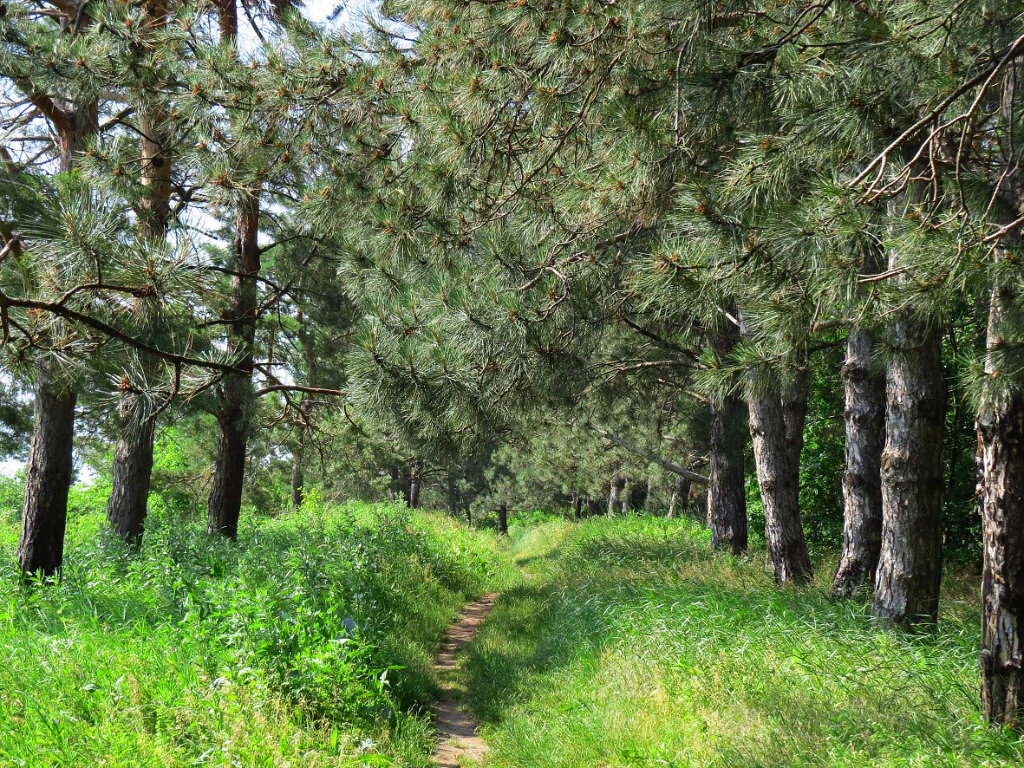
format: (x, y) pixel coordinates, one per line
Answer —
(235, 394)
(862, 479)
(727, 500)
(577, 506)
(415, 485)
(503, 520)
(618, 483)
(678, 504)
(298, 477)
(1000, 426)
(133, 455)
(910, 563)
(47, 478)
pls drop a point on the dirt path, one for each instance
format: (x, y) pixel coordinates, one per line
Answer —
(458, 742)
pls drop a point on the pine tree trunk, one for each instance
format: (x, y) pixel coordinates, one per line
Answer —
(617, 485)
(577, 506)
(778, 480)
(679, 503)
(235, 393)
(862, 479)
(910, 563)
(503, 520)
(47, 479)
(414, 485)
(48, 473)
(1000, 427)
(133, 455)
(132, 470)
(298, 478)
(727, 501)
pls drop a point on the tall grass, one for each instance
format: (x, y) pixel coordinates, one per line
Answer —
(634, 645)
(307, 643)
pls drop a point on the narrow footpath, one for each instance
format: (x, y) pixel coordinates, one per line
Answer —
(458, 742)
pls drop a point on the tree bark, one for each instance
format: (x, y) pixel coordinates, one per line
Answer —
(47, 478)
(577, 506)
(133, 455)
(132, 471)
(48, 473)
(778, 480)
(910, 563)
(727, 500)
(618, 483)
(680, 500)
(235, 395)
(298, 477)
(503, 520)
(1000, 427)
(862, 479)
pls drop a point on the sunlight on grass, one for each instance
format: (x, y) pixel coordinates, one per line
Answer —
(307, 643)
(648, 650)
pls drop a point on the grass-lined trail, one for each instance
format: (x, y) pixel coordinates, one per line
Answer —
(633, 645)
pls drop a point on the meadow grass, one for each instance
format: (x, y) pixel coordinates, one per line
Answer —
(307, 643)
(632, 644)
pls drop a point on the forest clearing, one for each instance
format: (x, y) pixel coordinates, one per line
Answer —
(512, 382)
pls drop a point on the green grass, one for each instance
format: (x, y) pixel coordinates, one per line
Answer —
(308, 643)
(632, 645)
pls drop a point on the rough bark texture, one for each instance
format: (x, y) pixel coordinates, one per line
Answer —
(679, 503)
(297, 478)
(862, 480)
(618, 484)
(133, 455)
(1000, 426)
(132, 470)
(47, 479)
(48, 473)
(727, 501)
(778, 480)
(235, 394)
(910, 564)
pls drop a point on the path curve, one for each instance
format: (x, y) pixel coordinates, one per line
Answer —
(458, 740)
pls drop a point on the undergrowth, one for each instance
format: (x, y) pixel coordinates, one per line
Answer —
(632, 644)
(307, 643)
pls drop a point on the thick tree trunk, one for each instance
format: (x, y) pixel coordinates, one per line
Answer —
(47, 479)
(862, 479)
(727, 501)
(132, 470)
(48, 473)
(503, 520)
(235, 394)
(1000, 426)
(778, 480)
(910, 563)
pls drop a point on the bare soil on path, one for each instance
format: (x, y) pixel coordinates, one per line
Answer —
(458, 743)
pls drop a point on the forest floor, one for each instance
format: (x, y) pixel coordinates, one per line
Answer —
(632, 644)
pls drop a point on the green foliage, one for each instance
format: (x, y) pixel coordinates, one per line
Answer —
(309, 643)
(633, 644)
